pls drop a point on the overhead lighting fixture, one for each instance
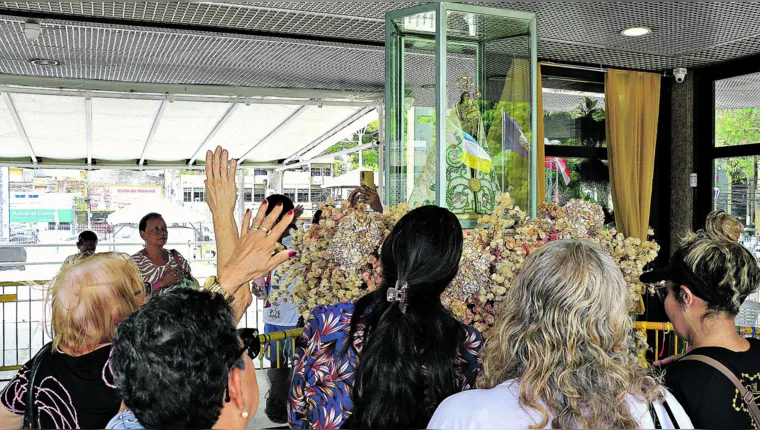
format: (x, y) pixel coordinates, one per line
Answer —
(45, 62)
(636, 31)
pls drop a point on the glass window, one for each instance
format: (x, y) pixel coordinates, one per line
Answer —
(260, 172)
(579, 178)
(290, 193)
(303, 195)
(735, 190)
(737, 111)
(199, 194)
(187, 195)
(248, 194)
(258, 194)
(573, 112)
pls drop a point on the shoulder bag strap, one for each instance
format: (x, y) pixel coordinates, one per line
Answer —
(747, 395)
(30, 412)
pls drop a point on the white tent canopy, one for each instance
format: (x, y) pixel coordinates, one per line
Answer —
(127, 129)
(171, 212)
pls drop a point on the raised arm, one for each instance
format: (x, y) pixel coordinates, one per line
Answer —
(221, 195)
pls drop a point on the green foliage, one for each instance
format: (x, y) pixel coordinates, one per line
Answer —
(588, 109)
(738, 127)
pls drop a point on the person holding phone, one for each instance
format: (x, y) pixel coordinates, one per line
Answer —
(366, 193)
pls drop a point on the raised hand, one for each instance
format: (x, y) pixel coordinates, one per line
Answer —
(221, 190)
(369, 196)
(298, 211)
(253, 255)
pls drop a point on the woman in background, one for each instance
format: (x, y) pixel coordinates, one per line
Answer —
(74, 385)
(560, 353)
(162, 269)
(390, 359)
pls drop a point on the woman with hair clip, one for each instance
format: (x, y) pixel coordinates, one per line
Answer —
(390, 359)
(560, 355)
(707, 280)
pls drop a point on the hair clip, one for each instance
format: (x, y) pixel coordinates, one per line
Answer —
(398, 295)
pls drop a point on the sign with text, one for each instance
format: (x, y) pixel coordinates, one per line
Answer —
(112, 197)
(41, 215)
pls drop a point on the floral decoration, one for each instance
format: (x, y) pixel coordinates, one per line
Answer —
(339, 258)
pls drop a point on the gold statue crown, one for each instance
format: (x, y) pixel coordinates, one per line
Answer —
(467, 84)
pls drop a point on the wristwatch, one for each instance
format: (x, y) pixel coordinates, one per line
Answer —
(212, 284)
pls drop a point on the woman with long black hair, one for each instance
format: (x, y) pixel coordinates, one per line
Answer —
(390, 359)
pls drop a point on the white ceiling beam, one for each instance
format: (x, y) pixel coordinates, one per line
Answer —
(274, 131)
(122, 165)
(354, 117)
(153, 129)
(219, 124)
(327, 156)
(88, 125)
(187, 98)
(19, 126)
(134, 88)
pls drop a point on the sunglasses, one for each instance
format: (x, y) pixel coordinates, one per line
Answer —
(251, 343)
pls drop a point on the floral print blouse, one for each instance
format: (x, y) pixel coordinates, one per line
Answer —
(320, 394)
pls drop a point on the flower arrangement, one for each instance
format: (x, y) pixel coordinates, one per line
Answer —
(339, 258)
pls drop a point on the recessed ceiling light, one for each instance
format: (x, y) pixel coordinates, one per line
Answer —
(636, 31)
(45, 62)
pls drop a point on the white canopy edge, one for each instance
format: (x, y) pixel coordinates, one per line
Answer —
(150, 91)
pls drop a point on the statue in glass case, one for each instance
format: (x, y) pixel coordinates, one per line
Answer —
(470, 178)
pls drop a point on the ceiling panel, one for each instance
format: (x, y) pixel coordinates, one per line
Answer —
(10, 139)
(183, 128)
(247, 126)
(312, 123)
(120, 127)
(583, 31)
(55, 125)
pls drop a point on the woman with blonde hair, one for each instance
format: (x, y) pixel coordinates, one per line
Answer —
(560, 353)
(73, 385)
(708, 278)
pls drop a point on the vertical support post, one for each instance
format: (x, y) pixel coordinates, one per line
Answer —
(389, 111)
(534, 119)
(409, 152)
(441, 102)
(381, 155)
(241, 194)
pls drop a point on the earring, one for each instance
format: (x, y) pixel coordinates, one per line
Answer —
(245, 412)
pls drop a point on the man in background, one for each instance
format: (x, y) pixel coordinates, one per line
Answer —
(87, 243)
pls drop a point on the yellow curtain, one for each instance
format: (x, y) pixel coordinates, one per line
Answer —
(632, 102)
(541, 174)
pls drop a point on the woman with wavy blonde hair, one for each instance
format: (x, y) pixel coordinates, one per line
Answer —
(560, 353)
(73, 386)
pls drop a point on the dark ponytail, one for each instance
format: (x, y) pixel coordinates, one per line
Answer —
(406, 367)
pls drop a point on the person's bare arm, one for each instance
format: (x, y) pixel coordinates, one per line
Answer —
(9, 420)
(221, 195)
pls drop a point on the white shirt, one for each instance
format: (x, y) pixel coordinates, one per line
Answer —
(499, 408)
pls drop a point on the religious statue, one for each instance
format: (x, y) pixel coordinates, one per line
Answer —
(471, 187)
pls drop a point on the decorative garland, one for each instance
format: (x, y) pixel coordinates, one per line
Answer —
(339, 258)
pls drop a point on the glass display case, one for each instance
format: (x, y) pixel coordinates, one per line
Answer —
(467, 73)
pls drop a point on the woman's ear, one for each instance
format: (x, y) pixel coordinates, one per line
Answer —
(235, 384)
(687, 297)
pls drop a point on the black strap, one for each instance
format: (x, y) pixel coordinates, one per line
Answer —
(656, 419)
(30, 412)
(653, 414)
(670, 414)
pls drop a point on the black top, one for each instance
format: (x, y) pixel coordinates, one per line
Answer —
(708, 396)
(70, 392)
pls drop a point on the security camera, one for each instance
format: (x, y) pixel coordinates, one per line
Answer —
(32, 30)
(680, 74)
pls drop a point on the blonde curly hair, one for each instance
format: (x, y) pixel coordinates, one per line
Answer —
(564, 332)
